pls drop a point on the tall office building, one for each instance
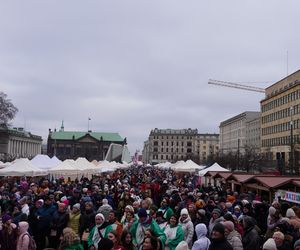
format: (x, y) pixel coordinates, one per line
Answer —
(280, 123)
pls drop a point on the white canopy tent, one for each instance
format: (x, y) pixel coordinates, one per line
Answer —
(22, 167)
(43, 162)
(214, 167)
(188, 166)
(67, 168)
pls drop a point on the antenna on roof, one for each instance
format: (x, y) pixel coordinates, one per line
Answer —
(89, 125)
(287, 63)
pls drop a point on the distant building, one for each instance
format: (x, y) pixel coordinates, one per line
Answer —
(206, 146)
(281, 121)
(18, 143)
(179, 144)
(240, 132)
(74, 144)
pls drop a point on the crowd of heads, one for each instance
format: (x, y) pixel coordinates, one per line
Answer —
(66, 211)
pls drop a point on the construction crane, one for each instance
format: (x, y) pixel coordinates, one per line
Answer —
(236, 85)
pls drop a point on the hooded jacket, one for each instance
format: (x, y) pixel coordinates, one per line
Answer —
(188, 229)
(202, 242)
(23, 239)
(235, 240)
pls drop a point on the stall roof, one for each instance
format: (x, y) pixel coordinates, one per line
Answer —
(224, 175)
(241, 177)
(272, 181)
(296, 182)
(213, 173)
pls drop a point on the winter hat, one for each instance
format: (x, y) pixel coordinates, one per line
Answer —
(5, 218)
(142, 213)
(272, 210)
(297, 243)
(77, 205)
(270, 245)
(228, 204)
(184, 211)
(64, 198)
(216, 211)
(201, 212)
(279, 235)
(130, 208)
(219, 227)
(244, 202)
(104, 201)
(182, 246)
(229, 225)
(237, 207)
(290, 213)
(40, 201)
(100, 215)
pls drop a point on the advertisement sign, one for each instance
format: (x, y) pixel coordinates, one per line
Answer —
(288, 196)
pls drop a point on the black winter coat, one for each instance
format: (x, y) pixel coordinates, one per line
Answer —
(220, 244)
(251, 239)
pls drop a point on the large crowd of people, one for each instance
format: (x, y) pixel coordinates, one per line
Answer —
(141, 208)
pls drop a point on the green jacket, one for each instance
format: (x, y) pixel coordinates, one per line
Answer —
(75, 246)
(174, 236)
(104, 232)
(138, 232)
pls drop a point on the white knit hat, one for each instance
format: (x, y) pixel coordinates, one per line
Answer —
(270, 245)
(184, 211)
(290, 213)
(272, 210)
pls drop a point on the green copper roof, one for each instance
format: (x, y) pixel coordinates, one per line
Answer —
(68, 135)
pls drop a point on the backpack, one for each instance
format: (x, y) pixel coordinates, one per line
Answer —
(32, 244)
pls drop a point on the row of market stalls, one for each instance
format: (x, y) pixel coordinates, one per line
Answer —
(43, 165)
(269, 187)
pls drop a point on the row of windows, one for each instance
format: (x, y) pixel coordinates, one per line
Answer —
(173, 137)
(172, 150)
(189, 144)
(280, 127)
(172, 157)
(281, 114)
(285, 140)
(282, 100)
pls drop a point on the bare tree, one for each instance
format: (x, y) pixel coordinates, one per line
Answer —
(7, 109)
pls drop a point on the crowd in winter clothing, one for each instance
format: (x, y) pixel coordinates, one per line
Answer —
(138, 209)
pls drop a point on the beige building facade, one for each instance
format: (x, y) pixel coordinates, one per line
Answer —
(171, 145)
(240, 132)
(280, 122)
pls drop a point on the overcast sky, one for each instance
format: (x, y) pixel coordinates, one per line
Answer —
(132, 66)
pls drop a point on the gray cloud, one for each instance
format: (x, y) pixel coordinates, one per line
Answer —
(134, 65)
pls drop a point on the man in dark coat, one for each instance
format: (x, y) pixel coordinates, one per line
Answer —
(251, 240)
(218, 240)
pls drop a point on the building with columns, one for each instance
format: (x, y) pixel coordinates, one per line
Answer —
(18, 143)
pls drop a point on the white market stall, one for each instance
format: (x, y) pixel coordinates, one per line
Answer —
(22, 167)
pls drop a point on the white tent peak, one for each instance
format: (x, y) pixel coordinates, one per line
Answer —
(215, 167)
